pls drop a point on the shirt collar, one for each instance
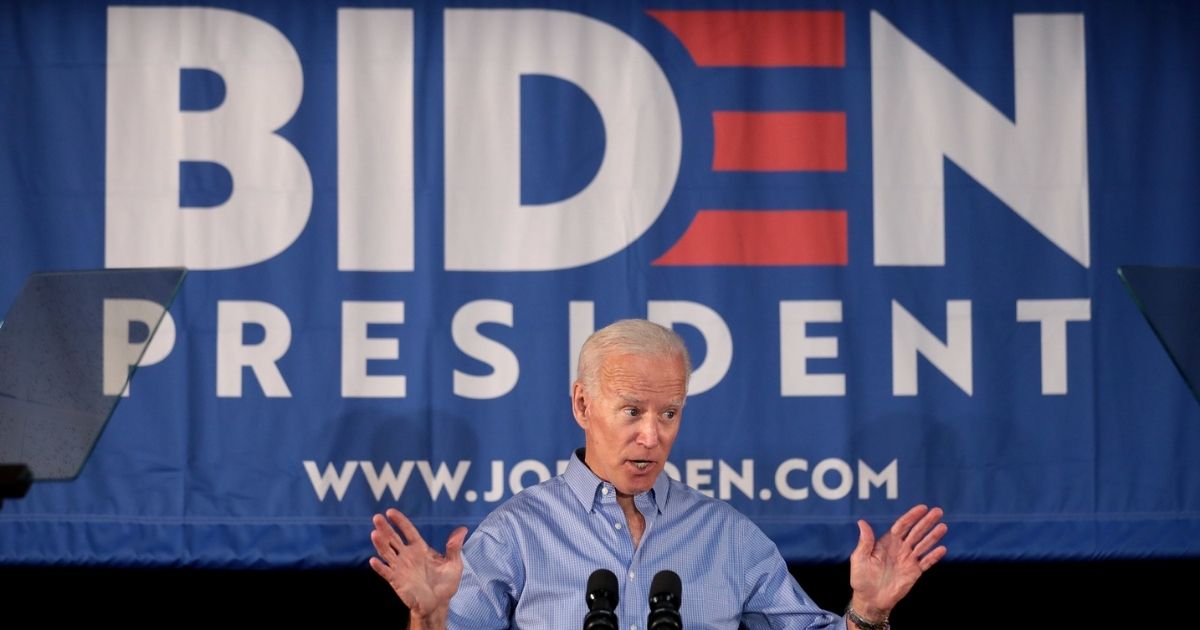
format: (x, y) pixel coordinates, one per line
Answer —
(585, 485)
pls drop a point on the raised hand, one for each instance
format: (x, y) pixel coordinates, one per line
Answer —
(883, 571)
(423, 578)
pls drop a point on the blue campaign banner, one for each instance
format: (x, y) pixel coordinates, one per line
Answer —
(888, 231)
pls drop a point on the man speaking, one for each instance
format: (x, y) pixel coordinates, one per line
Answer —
(527, 565)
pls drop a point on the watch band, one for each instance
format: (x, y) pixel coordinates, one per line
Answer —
(863, 624)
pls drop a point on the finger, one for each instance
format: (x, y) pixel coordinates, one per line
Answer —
(454, 544)
(383, 570)
(925, 525)
(905, 523)
(866, 539)
(385, 528)
(932, 557)
(387, 537)
(383, 547)
(411, 535)
(930, 539)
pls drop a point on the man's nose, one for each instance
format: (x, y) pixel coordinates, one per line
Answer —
(647, 433)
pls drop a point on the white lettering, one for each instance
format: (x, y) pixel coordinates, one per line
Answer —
(868, 478)
(261, 358)
(358, 348)
(386, 479)
(515, 481)
(1053, 316)
(782, 485)
(443, 480)
(321, 483)
(375, 139)
(581, 320)
(487, 227)
(909, 337)
(1036, 165)
(698, 476)
(497, 490)
(506, 370)
(796, 348)
(147, 137)
(119, 353)
(672, 471)
(729, 479)
(842, 470)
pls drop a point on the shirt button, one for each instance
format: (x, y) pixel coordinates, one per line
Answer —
(632, 574)
(617, 525)
(604, 491)
(633, 627)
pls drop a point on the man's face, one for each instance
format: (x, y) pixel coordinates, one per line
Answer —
(631, 421)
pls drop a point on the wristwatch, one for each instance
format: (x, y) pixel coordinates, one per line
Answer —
(863, 624)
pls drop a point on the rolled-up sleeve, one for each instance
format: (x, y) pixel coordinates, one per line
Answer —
(773, 598)
(491, 580)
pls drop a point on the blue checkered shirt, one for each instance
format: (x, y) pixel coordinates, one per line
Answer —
(528, 562)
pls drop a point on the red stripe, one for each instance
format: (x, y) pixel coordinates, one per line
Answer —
(760, 238)
(779, 141)
(759, 38)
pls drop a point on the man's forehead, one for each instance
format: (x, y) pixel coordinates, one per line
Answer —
(633, 361)
(638, 373)
(634, 385)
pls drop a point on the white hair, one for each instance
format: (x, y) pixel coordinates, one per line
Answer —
(629, 336)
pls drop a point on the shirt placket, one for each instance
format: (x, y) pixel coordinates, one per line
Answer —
(638, 588)
(618, 528)
(632, 607)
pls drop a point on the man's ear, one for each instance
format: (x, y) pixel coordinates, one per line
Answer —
(579, 404)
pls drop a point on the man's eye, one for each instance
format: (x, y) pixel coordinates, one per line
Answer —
(632, 412)
(670, 415)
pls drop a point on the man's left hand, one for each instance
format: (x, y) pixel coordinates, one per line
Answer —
(883, 570)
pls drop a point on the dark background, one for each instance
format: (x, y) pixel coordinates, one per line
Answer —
(951, 595)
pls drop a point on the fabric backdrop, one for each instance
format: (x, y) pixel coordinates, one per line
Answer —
(888, 231)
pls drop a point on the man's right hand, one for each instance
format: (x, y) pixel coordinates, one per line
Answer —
(423, 578)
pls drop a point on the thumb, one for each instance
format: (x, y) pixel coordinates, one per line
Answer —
(866, 539)
(454, 544)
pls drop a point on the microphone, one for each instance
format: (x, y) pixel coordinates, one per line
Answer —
(601, 601)
(665, 591)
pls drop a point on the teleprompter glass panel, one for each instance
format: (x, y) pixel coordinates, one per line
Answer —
(1169, 298)
(68, 346)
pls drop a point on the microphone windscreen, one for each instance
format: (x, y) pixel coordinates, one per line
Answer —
(603, 580)
(666, 582)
